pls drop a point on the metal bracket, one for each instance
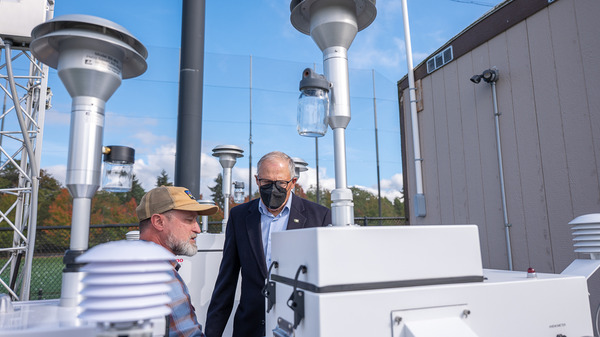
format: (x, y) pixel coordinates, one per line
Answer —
(283, 329)
(268, 290)
(296, 300)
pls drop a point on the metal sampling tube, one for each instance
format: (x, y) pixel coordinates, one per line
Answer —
(335, 64)
(85, 152)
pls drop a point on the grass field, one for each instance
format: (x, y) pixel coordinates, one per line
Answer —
(46, 277)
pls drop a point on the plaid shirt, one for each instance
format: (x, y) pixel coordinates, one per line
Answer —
(182, 321)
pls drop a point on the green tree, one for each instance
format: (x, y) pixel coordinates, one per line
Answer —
(49, 188)
(218, 198)
(324, 197)
(399, 207)
(217, 191)
(136, 192)
(163, 179)
(48, 191)
(299, 191)
(9, 176)
(365, 203)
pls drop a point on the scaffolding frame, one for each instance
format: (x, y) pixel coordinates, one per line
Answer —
(24, 85)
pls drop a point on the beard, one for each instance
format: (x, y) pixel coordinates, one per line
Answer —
(181, 247)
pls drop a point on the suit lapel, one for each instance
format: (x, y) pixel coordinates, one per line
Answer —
(297, 219)
(255, 237)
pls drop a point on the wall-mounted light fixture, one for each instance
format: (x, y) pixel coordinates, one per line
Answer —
(488, 76)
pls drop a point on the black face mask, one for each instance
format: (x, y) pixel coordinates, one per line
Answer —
(273, 196)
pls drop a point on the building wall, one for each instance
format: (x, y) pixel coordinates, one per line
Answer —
(549, 103)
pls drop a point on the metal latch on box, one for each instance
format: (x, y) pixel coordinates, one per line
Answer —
(296, 300)
(268, 290)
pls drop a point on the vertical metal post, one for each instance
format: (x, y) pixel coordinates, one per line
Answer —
(191, 81)
(376, 144)
(317, 158)
(317, 163)
(419, 201)
(507, 224)
(2, 123)
(250, 139)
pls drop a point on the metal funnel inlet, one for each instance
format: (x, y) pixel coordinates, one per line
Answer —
(300, 166)
(92, 56)
(227, 155)
(332, 22)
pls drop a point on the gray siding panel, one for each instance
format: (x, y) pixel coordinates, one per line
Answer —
(538, 254)
(428, 154)
(489, 163)
(510, 161)
(473, 170)
(583, 181)
(549, 100)
(455, 143)
(442, 147)
(552, 145)
(586, 13)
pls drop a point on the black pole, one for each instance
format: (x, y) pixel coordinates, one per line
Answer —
(189, 114)
(376, 145)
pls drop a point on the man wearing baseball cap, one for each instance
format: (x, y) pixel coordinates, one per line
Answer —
(168, 217)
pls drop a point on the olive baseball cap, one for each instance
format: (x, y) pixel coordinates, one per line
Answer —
(166, 198)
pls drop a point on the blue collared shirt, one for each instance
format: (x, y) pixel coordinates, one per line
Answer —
(270, 224)
(182, 320)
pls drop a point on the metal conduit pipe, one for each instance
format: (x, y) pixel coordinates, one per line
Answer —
(491, 76)
(507, 224)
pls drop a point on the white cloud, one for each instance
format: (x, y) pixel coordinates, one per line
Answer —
(58, 172)
(116, 120)
(147, 138)
(55, 117)
(162, 158)
(308, 179)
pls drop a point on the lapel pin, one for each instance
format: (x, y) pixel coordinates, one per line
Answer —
(296, 220)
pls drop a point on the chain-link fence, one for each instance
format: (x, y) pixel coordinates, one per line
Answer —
(381, 221)
(50, 246)
(52, 242)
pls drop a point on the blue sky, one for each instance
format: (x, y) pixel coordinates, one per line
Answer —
(143, 112)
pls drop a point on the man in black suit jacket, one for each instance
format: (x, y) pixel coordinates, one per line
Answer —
(247, 245)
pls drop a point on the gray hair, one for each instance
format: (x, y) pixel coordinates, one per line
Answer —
(278, 155)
